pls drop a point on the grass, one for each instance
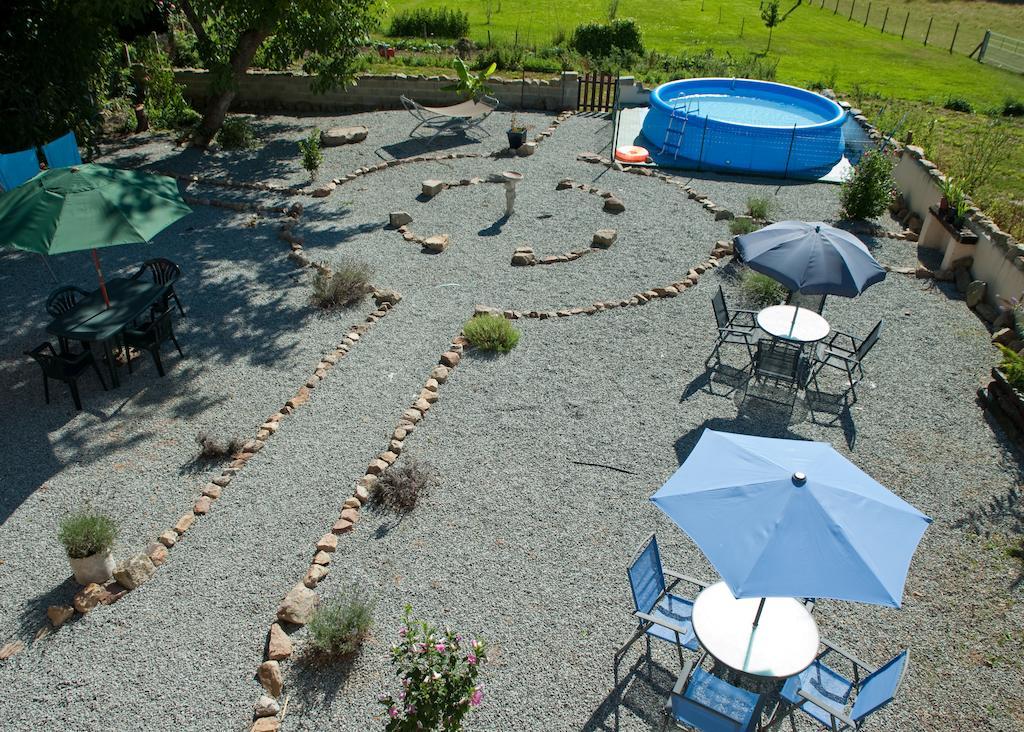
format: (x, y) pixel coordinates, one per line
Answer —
(339, 287)
(760, 290)
(340, 625)
(491, 333)
(805, 43)
(86, 533)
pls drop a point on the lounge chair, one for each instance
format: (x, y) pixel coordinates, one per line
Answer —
(62, 152)
(18, 167)
(459, 117)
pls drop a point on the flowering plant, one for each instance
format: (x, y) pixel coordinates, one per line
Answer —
(438, 673)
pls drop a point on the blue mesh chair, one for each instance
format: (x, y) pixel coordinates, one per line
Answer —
(823, 693)
(62, 152)
(705, 702)
(18, 167)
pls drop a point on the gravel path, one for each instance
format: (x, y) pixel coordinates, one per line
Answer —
(515, 542)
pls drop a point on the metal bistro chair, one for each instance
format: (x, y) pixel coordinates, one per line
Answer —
(64, 367)
(164, 272)
(149, 337)
(823, 693)
(60, 301)
(737, 327)
(807, 302)
(704, 702)
(834, 353)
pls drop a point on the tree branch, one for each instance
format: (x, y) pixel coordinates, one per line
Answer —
(205, 42)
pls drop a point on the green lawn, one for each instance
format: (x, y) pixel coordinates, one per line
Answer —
(811, 45)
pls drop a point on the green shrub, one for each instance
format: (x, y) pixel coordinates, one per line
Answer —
(311, 154)
(760, 290)
(440, 22)
(868, 193)
(503, 56)
(600, 39)
(236, 134)
(87, 532)
(400, 488)
(164, 103)
(344, 286)
(760, 207)
(491, 333)
(1012, 107)
(1012, 364)
(340, 625)
(958, 104)
(741, 226)
(210, 448)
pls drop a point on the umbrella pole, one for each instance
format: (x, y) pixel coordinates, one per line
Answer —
(99, 273)
(760, 607)
(48, 267)
(793, 324)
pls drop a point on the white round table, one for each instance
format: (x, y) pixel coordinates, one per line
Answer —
(785, 641)
(777, 321)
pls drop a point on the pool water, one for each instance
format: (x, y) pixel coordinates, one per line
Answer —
(762, 111)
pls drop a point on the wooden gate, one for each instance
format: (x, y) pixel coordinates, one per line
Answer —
(597, 92)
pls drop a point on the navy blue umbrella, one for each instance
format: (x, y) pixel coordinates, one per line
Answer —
(811, 257)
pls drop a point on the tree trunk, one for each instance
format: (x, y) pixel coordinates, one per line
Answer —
(769, 40)
(218, 104)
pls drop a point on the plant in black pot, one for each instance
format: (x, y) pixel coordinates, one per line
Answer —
(88, 537)
(516, 133)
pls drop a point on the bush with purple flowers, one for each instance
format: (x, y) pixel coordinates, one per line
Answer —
(438, 673)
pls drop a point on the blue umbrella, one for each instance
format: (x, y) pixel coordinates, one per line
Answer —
(792, 518)
(811, 257)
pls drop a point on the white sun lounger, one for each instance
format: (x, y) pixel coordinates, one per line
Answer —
(459, 117)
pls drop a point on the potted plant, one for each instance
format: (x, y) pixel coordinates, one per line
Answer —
(88, 537)
(516, 133)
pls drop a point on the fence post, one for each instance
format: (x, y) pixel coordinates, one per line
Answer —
(852, 6)
(905, 21)
(836, 8)
(929, 31)
(866, 16)
(955, 31)
(984, 45)
(792, 139)
(742, 23)
(885, 18)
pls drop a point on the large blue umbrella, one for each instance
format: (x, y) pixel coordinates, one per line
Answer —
(792, 518)
(811, 257)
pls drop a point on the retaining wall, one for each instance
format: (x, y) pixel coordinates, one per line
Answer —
(265, 91)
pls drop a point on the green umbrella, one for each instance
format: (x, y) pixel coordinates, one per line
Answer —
(88, 207)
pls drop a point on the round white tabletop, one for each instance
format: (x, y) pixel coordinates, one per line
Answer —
(785, 641)
(777, 321)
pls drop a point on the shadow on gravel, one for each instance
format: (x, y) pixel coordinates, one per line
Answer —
(756, 417)
(642, 692)
(423, 146)
(32, 615)
(315, 685)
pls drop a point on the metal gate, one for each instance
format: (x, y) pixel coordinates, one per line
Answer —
(597, 92)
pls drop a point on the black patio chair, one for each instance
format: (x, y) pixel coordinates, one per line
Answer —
(737, 327)
(833, 352)
(66, 367)
(164, 272)
(807, 302)
(60, 301)
(149, 337)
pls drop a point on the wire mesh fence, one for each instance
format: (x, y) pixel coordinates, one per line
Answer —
(909, 25)
(1002, 51)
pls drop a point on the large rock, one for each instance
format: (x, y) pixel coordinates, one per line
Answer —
(89, 597)
(976, 292)
(343, 136)
(526, 149)
(436, 243)
(270, 677)
(266, 706)
(613, 204)
(135, 571)
(963, 279)
(604, 238)
(297, 606)
(399, 218)
(431, 187)
(279, 645)
(523, 257)
(59, 614)
(392, 297)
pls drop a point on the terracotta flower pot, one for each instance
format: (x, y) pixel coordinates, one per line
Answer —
(96, 568)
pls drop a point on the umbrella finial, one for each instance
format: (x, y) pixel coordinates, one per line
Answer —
(799, 478)
(817, 229)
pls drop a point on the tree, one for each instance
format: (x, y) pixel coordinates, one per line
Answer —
(324, 33)
(771, 17)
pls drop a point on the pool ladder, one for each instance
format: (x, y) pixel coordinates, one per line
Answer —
(676, 133)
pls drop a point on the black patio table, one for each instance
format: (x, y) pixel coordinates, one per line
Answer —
(91, 321)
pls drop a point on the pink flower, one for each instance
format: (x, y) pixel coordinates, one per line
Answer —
(393, 711)
(403, 632)
(401, 696)
(471, 659)
(440, 647)
(476, 697)
(411, 709)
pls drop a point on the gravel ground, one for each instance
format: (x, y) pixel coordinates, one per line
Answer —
(535, 566)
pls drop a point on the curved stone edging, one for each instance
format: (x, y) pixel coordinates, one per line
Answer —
(611, 203)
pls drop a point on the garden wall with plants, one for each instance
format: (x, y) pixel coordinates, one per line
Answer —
(292, 92)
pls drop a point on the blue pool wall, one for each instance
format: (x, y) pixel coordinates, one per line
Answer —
(709, 144)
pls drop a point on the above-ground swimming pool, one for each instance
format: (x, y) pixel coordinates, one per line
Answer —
(746, 126)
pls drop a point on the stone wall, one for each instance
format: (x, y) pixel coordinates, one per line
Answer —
(266, 91)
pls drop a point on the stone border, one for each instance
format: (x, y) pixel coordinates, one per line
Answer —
(611, 203)
(298, 605)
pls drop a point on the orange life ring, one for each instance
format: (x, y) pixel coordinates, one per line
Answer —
(631, 154)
